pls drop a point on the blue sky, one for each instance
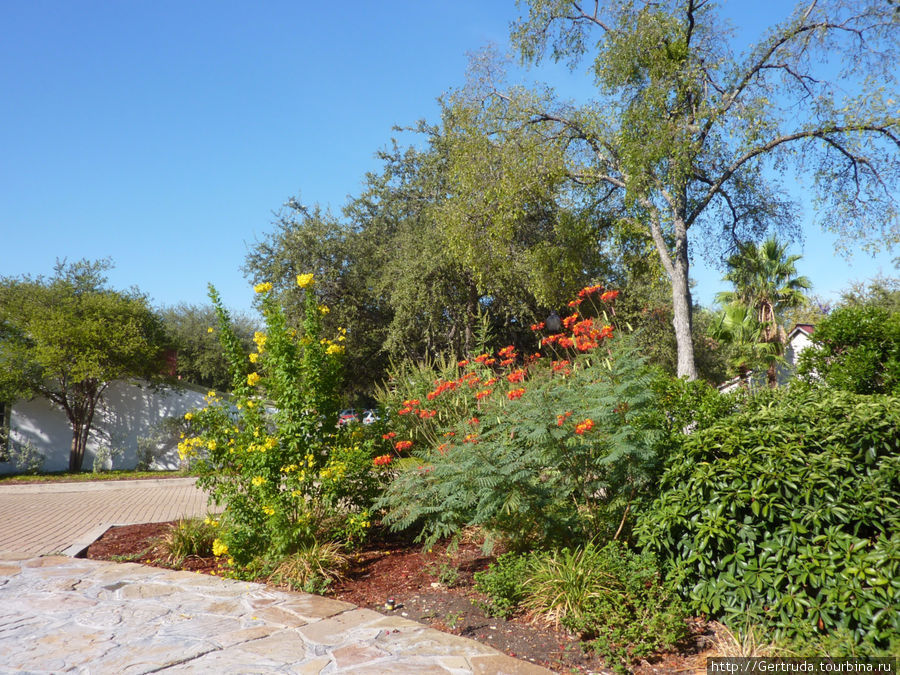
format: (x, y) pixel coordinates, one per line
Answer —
(164, 134)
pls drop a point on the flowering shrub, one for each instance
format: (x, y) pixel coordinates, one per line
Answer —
(272, 453)
(538, 447)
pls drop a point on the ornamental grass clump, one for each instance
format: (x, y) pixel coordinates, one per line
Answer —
(272, 454)
(539, 448)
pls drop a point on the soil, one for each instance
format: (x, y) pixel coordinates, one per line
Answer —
(434, 588)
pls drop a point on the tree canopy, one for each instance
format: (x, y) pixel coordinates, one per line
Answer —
(68, 336)
(201, 359)
(686, 135)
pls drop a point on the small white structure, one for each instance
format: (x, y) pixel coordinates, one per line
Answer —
(128, 411)
(798, 339)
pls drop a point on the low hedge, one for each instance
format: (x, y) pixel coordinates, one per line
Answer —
(786, 513)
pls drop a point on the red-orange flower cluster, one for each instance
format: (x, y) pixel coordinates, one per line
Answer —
(442, 448)
(609, 296)
(582, 427)
(441, 387)
(389, 436)
(561, 419)
(588, 290)
(400, 446)
(383, 460)
(514, 394)
(471, 438)
(516, 376)
(427, 414)
(508, 352)
(481, 394)
(474, 420)
(537, 326)
(462, 364)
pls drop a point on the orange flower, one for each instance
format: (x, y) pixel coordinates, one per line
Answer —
(473, 421)
(507, 362)
(514, 394)
(560, 365)
(561, 419)
(507, 351)
(462, 364)
(427, 414)
(482, 358)
(516, 376)
(442, 448)
(569, 321)
(389, 436)
(609, 296)
(490, 362)
(471, 438)
(575, 303)
(490, 382)
(481, 394)
(400, 446)
(587, 425)
(537, 326)
(566, 342)
(588, 290)
(383, 460)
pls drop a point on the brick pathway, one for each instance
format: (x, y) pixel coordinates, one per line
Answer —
(64, 517)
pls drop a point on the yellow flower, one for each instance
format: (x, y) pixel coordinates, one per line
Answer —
(219, 547)
(304, 280)
(268, 510)
(324, 309)
(252, 379)
(260, 340)
(334, 349)
(254, 357)
(211, 394)
(258, 480)
(189, 416)
(212, 445)
(263, 288)
(209, 330)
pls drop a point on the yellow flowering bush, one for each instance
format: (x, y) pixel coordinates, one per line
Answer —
(272, 454)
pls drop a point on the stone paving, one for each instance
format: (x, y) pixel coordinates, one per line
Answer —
(61, 614)
(66, 614)
(66, 517)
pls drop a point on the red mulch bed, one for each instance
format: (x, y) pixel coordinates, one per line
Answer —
(434, 588)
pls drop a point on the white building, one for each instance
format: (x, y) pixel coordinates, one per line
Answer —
(128, 412)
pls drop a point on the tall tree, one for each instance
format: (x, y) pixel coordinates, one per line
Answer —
(68, 337)
(765, 280)
(684, 132)
(201, 359)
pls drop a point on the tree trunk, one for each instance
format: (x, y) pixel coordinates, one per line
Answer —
(79, 441)
(681, 305)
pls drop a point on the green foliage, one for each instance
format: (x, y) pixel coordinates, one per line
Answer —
(857, 349)
(610, 596)
(540, 449)
(272, 453)
(67, 337)
(201, 360)
(189, 537)
(503, 582)
(786, 514)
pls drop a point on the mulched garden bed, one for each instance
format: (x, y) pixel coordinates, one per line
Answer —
(433, 587)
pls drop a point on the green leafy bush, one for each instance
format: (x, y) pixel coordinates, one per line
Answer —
(786, 514)
(858, 349)
(610, 596)
(562, 462)
(503, 582)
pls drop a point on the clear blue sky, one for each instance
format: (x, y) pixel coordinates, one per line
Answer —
(164, 134)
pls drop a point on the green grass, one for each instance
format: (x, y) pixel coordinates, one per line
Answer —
(68, 477)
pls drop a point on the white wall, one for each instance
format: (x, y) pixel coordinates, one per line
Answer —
(127, 411)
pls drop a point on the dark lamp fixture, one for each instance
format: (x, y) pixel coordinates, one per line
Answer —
(553, 324)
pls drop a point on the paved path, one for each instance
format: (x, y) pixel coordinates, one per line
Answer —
(61, 614)
(65, 517)
(68, 614)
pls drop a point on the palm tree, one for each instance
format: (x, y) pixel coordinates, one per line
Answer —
(765, 279)
(738, 327)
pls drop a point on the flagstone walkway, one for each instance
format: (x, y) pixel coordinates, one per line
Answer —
(67, 614)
